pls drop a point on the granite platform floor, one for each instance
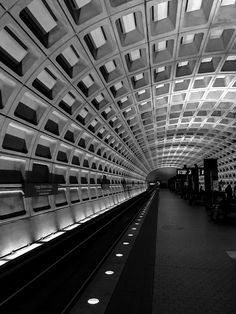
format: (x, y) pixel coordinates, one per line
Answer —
(193, 273)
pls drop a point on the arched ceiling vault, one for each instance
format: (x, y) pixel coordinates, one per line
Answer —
(141, 84)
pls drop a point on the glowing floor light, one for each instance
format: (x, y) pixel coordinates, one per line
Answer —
(93, 301)
(109, 272)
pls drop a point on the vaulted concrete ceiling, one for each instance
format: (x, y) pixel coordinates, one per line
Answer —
(137, 85)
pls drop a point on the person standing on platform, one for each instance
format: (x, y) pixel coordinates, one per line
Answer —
(229, 193)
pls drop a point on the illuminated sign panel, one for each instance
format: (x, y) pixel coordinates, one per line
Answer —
(184, 172)
(201, 171)
(187, 172)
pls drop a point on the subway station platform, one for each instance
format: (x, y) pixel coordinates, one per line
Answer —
(193, 272)
(177, 264)
(171, 259)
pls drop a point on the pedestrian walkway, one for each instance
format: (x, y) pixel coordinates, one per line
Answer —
(193, 273)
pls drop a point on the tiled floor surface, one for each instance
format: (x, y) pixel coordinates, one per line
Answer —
(193, 273)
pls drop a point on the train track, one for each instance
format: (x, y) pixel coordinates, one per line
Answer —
(46, 280)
